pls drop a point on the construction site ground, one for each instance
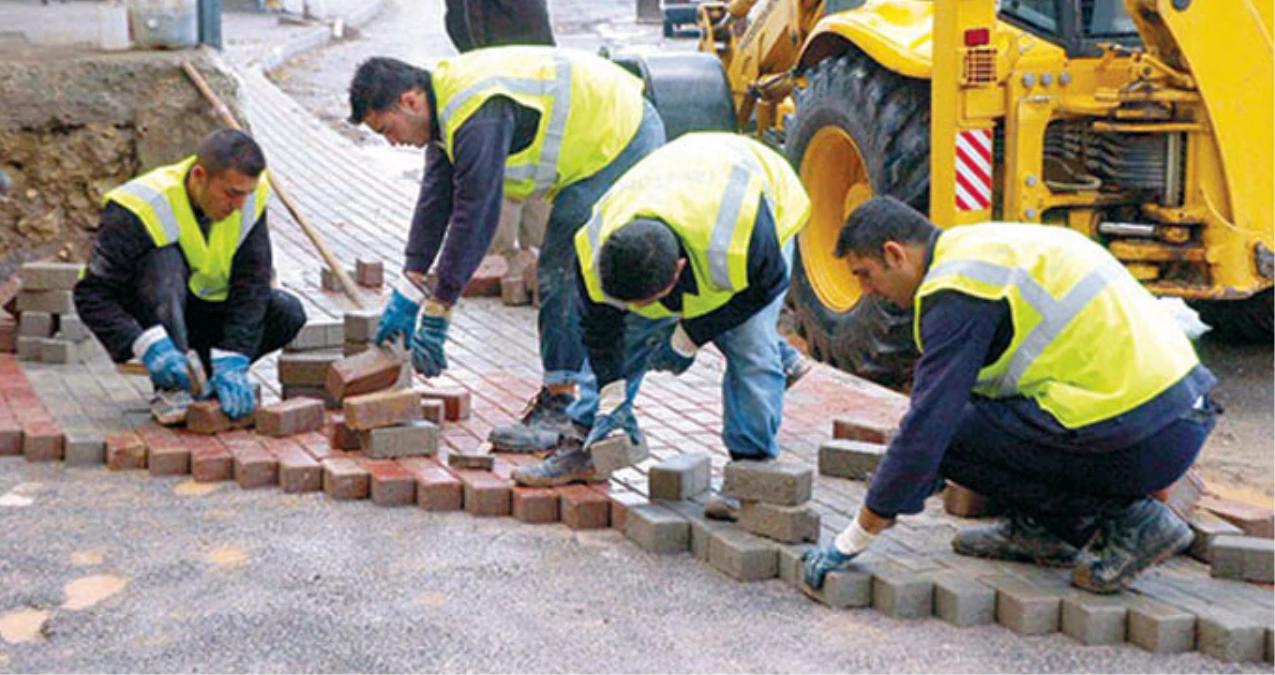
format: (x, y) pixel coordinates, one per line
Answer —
(117, 571)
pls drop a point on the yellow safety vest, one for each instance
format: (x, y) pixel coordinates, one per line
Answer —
(589, 109)
(1089, 343)
(159, 199)
(707, 187)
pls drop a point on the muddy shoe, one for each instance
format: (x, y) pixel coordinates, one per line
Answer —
(1015, 538)
(799, 369)
(544, 418)
(568, 464)
(169, 407)
(1145, 534)
(722, 508)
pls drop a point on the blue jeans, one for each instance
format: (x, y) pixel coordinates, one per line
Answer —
(757, 358)
(562, 353)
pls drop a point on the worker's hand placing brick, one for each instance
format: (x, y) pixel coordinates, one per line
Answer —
(691, 246)
(398, 319)
(526, 124)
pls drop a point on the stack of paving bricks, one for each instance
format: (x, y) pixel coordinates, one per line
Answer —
(304, 363)
(48, 329)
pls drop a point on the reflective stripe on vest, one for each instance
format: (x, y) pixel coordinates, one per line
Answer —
(544, 173)
(159, 204)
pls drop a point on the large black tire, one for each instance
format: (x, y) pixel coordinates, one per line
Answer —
(1248, 321)
(888, 118)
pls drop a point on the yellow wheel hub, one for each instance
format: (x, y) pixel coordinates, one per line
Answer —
(834, 174)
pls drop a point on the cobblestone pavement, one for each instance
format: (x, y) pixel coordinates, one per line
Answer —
(362, 215)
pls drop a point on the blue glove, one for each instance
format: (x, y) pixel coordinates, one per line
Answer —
(606, 423)
(818, 562)
(666, 358)
(398, 319)
(167, 366)
(230, 381)
(427, 346)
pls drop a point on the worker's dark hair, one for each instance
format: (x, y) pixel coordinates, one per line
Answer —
(878, 220)
(230, 149)
(379, 82)
(638, 260)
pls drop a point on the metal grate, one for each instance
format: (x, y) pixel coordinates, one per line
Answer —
(980, 67)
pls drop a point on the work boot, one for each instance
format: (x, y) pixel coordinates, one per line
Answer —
(544, 418)
(1144, 534)
(569, 463)
(168, 407)
(720, 507)
(799, 369)
(1016, 538)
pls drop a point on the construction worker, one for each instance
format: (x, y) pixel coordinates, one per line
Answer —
(516, 121)
(182, 261)
(1050, 381)
(693, 245)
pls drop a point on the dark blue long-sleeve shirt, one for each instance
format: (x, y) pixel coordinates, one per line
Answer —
(961, 334)
(462, 200)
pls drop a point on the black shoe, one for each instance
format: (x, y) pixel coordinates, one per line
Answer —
(544, 418)
(1144, 534)
(569, 463)
(1016, 538)
(722, 508)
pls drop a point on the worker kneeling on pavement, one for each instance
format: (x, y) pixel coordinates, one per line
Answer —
(693, 245)
(507, 121)
(1050, 381)
(182, 261)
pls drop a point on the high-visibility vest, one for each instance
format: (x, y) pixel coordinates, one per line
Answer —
(589, 109)
(1089, 341)
(159, 199)
(707, 187)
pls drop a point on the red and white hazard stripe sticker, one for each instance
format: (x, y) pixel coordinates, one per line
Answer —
(974, 170)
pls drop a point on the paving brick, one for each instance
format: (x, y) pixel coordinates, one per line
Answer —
(306, 369)
(741, 555)
(513, 292)
(1247, 558)
(965, 503)
(381, 409)
(842, 589)
(415, 438)
(436, 488)
(82, 447)
(962, 600)
(1255, 521)
(50, 276)
(53, 302)
(35, 324)
(486, 495)
(29, 348)
(623, 499)
(323, 334)
(298, 471)
(467, 460)
(254, 466)
(657, 529)
(291, 391)
(370, 273)
(41, 442)
(702, 529)
(211, 463)
(10, 437)
(391, 484)
(72, 328)
(60, 351)
(680, 476)
(369, 371)
(852, 427)
(583, 508)
(168, 460)
(788, 524)
(1207, 527)
(8, 334)
(535, 505)
(456, 404)
(856, 460)
(780, 483)
(791, 569)
(1231, 637)
(1160, 628)
(291, 417)
(1094, 619)
(125, 451)
(206, 417)
(901, 593)
(1025, 608)
(341, 436)
(361, 325)
(433, 411)
(343, 478)
(617, 452)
